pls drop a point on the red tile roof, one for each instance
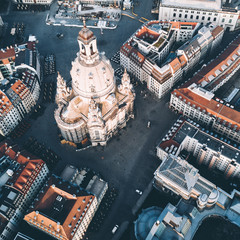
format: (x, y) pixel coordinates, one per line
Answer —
(126, 49)
(30, 166)
(5, 104)
(175, 64)
(20, 89)
(216, 65)
(180, 24)
(75, 207)
(26, 175)
(213, 107)
(145, 32)
(7, 53)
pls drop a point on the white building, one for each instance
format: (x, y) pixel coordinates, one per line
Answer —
(143, 53)
(206, 147)
(94, 107)
(19, 83)
(102, 2)
(216, 12)
(198, 104)
(35, 2)
(196, 99)
(127, 4)
(184, 180)
(220, 70)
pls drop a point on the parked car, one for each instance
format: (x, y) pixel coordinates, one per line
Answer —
(60, 35)
(139, 192)
(115, 229)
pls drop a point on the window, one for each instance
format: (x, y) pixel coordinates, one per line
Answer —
(209, 18)
(214, 19)
(230, 21)
(223, 20)
(174, 15)
(197, 17)
(203, 17)
(185, 15)
(180, 15)
(191, 16)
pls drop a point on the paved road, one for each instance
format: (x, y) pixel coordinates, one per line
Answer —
(128, 162)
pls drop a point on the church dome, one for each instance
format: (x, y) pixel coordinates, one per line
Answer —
(92, 74)
(95, 80)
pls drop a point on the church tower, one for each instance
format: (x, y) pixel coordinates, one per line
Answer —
(88, 46)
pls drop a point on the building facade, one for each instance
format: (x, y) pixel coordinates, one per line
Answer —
(220, 70)
(206, 147)
(20, 79)
(22, 176)
(143, 54)
(93, 107)
(201, 106)
(33, 2)
(196, 99)
(222, 13)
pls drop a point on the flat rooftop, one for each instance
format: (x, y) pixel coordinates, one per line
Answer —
(198, 4)
(210, 139)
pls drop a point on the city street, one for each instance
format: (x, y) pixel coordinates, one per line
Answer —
(128, 161)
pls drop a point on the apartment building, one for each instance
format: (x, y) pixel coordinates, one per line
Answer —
(9, 117)
(62, 210)
(143, 54)
(220, 70)
(201, 106)
(206, 147)
(220, 12)
(20, 79)
(21, 175)
(33, 2)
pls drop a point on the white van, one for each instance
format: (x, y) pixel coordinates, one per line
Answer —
(115, 229)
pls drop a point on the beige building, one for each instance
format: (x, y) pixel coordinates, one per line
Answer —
(33, 2)
(144, 53)
(93, 107)
(221, 12)
(201, 105)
